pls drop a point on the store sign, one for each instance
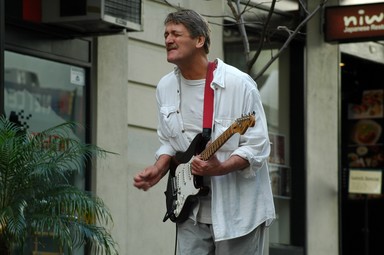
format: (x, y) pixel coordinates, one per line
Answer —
(354, 23)
(364, 182)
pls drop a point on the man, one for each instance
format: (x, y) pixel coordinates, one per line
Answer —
(232, 218)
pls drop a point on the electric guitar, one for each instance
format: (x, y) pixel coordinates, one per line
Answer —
(184, 188)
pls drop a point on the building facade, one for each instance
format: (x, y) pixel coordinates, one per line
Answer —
(107, 82)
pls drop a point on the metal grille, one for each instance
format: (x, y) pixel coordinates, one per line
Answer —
(125, 9)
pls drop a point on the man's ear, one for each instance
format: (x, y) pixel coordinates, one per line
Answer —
(200, 40)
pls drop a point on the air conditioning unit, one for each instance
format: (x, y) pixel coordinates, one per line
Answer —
(93, 16)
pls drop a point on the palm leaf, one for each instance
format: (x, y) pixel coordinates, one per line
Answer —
(35, 191)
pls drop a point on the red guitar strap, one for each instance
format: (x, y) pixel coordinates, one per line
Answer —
(208, 102)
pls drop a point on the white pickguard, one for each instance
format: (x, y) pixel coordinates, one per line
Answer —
(184, 183)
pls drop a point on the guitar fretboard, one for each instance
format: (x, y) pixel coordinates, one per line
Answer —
(239, 126)
(215, 146)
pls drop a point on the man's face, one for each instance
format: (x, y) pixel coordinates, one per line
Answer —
(179, 44)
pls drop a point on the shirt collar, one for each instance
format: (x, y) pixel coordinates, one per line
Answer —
(218, 74)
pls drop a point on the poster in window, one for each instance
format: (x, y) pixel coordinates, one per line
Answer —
(366, 146)
(369, 106)
(366, 139)
(277, 155)
(280, 180)
(366, 132)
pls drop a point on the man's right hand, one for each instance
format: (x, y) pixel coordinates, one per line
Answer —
(147, 178)
(151, 175)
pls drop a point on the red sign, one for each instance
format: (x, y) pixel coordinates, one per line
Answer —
(354, 23)
(32, 10)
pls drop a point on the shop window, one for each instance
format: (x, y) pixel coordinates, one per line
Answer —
(275, 93)
(39, 94)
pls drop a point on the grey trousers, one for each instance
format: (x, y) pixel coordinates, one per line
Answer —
(198, 239)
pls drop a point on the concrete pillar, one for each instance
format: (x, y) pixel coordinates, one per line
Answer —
(322, 98)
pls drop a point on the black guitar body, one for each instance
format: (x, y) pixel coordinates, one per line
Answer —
(196, 147)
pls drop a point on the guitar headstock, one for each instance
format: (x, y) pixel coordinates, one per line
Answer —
(242, 124)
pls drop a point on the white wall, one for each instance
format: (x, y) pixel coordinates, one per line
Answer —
(111, 178)
(129, 67)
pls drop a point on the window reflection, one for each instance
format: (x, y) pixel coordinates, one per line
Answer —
(41, 93)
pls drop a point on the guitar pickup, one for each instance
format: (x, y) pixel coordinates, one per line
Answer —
(174, 187)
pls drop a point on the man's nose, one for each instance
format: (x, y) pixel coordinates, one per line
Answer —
(168, 39)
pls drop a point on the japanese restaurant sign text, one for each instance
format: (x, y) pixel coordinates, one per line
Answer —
(354, 23)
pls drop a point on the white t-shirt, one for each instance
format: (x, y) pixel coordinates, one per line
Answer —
(192, 108)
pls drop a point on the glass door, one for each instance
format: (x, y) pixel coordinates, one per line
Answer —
(39, 94)
(362, 200)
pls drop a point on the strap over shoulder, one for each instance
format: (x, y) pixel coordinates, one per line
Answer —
(208, 102)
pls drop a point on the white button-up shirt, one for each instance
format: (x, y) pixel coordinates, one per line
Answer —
(241, 200)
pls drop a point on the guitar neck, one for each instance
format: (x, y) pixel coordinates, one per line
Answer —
(215, 145)
(239, 126)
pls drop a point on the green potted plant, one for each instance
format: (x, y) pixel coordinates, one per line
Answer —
(37, 198)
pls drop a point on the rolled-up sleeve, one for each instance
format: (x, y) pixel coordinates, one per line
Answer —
(256, 155)
(254, 143)
(165, 147)
(169, 128)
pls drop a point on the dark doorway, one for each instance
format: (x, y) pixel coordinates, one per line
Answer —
(362, 200)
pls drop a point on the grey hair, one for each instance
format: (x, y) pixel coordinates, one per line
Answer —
(194, 22)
